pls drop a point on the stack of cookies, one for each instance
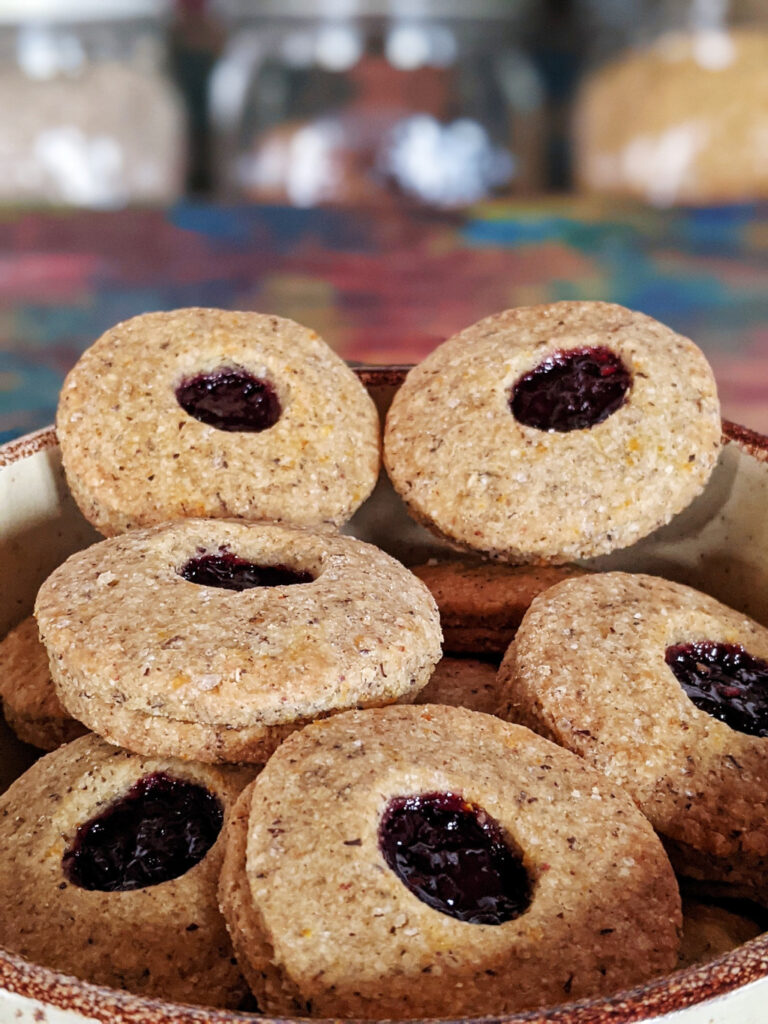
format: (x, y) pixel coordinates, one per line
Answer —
(275, 796)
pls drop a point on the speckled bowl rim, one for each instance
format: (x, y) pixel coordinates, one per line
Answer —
(675, 991)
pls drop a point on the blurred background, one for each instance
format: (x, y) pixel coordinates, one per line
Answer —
(386, 171)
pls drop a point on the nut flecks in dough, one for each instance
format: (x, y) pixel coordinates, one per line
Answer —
(167, 940)
(322, 926)
(160, 664)
(588, 670)
(134, 457)
(469, 471)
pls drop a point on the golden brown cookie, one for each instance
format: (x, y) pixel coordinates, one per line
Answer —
(463, 683)
(109, 864)
(433, 861)
(552, 433)
(213, 639)
(206, 412)
(710, 930)
(30, 704)
(481, 603)
(664, 690)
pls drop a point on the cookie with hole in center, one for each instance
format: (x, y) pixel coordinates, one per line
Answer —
(433, 862)
(109, 865)
(214, 639)
(207, 412)
(30, 704)
(482, 603)
(665, 691)
(551, 433)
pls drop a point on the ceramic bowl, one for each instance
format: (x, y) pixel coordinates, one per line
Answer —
(719, 544)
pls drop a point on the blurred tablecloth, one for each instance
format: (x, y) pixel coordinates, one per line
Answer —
(379, 288)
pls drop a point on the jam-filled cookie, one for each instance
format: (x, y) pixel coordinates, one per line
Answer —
(213, 639)
(665, 691)
(205, 412)
(556, 432)
(432, 861)
(30, 704)
(464, 683)
(481, 603)
(109, 864)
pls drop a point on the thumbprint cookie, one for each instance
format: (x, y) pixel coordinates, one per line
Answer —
(206, 412)
(109, 864)
(437, 862)
(556, 432)
(665, 691)
(213, 639)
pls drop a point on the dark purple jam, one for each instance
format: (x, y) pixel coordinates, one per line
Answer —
(161, 828)
(230, 399)
(453, 856)
(229, 572)
(725, 681)
(571, 390)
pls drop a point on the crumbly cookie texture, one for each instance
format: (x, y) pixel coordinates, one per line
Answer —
(481, 604)
(468, 470)
(323, 926)
(464, 683)
(159, 664)
(167, 940)
(587, 669)
(30, 704)
(134, 457)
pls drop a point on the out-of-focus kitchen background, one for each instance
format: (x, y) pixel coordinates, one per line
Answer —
(386, 171)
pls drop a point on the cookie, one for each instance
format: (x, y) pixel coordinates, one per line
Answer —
(662, 689)
(213, 639)
(433, 861)
(109, 864)
(463, 683)
(481, 604)
(552, 433)
(710, 930)
(204, 412)
(30, 704)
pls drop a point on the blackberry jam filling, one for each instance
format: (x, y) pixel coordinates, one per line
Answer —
(453, 856)
(725, 681)
(571, 390)
(159, 830)
(229, 572)
(230, 399)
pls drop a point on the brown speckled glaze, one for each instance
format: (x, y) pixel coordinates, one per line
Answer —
(675, 992)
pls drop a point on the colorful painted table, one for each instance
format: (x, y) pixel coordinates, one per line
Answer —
(379, 288)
